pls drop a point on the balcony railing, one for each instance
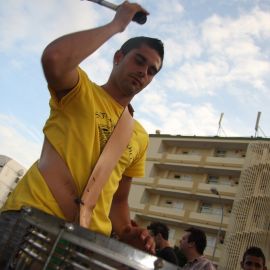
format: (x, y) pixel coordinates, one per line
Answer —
(223, 189)
(176, 184)
(183, 158)
(226, 161)
(209, 219)
(167, 212)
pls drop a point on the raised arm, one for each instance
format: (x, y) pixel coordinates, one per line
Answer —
(61, 57)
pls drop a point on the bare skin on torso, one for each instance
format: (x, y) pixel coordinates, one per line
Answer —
(54, 170)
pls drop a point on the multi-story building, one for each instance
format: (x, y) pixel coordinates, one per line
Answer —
(181, 171)
(10, 173)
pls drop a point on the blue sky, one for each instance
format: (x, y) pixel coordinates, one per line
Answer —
(216, 60)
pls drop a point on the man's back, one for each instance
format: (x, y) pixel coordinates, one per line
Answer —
(200, 263)
(168, 254)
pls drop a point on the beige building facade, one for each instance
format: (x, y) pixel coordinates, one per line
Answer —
(176, 190)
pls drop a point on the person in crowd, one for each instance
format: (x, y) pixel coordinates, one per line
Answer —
(193, 244)
(160, 232)
(253, 259)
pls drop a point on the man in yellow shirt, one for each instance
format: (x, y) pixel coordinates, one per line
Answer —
(82, 117)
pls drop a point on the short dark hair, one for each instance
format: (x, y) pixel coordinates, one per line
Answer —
(136, 42)
(254, 251)
(159, 227)
(198, 237)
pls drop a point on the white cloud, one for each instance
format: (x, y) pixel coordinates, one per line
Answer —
(164, 17)
(19, 142)
(236, 37)
(98, 68)
(225, 51)
(167, 11)
(178, 50)
(197, 78)
(30, 27)
(156, 112)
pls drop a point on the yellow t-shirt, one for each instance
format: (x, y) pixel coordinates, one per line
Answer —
(78, 128)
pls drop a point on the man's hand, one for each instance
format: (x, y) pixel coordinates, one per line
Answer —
(125, 13)
(139, 238)
(127, 230)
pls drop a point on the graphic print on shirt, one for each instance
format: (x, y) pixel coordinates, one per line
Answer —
(105, 128)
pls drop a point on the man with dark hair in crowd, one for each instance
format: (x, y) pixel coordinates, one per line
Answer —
(193, 244)
(160, 232)
(253, 259)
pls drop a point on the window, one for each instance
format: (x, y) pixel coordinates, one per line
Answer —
(206, 208)
(171, 233)
(212, 179)
(178, 205)
(195, 152)
(17, 179)
(217, 211)
(225, 181)
(172, 203)
(168, 202)
(220, 153)
(211, 241)
(186, 177)
(183, 177)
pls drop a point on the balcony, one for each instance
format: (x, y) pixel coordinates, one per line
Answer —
(146, 180)
(208, 219)
(225, 161)
(155, 157)
(168, 212)
(180, 158)
(225, 190)
(175, 158)
(184, 216)
(175, 184)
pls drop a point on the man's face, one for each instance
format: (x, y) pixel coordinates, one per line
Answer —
(253, 263)
(135, 70)
(184, 244)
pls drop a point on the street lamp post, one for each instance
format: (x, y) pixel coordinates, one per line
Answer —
(215, 191)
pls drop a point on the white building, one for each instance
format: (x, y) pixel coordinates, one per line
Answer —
(10, 173)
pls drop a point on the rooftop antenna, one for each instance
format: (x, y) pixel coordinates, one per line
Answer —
(257, 126)
(220, 126)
